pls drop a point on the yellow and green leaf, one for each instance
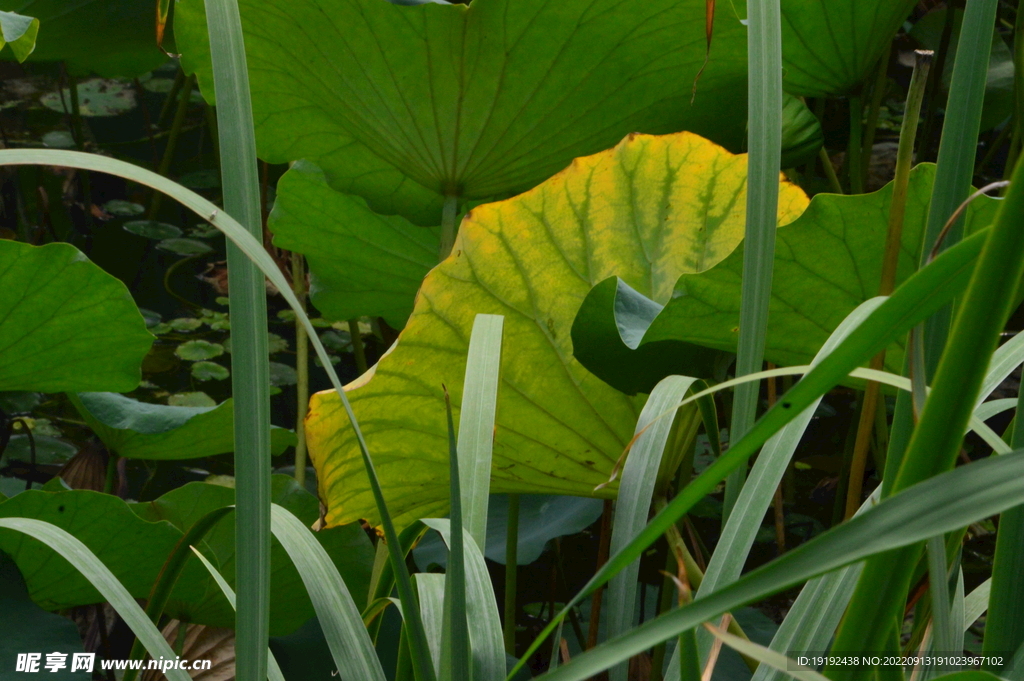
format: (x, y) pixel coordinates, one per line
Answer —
(648, 211)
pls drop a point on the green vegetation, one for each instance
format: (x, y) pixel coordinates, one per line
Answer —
(664, 340)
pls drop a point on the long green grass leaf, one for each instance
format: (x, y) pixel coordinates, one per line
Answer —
(764, 144)
(767, 657)
(86, 562)
(250, 366)
(633, 503)
(958, 148)
(339, 617)
(476, 422)
(430, 588)
(455, 649)
(485, 636)
(274, 672)
(944, 503)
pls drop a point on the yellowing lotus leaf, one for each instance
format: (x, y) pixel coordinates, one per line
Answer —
(649, 210)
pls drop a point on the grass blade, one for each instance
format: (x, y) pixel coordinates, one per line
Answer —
(339, 617)
(455, 655)
(250, 364)
(941, 504)
(86, 562)
(274, 672)
(944, 629)
(486, 645)
(476, 422)
(766, 656)
(430, 588)
(957, 149)
(633, 504)
(764, 143)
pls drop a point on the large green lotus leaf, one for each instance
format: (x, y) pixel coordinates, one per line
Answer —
(65, 324)
(348, 546)
(826, 263)
(831, 46)
(27, 627)
(139, 430)
(132, 548)
(114, 38)
(648, 210)
(361, 263)
(481, 100)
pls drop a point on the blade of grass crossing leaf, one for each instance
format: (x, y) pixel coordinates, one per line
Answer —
(633, 503)
(430, 588)
(274, 672)
(1004, 627)
(255, 252)
(764, 142)
(942, 504)
(488, 652)
(709, 415)
(936, 440)
(250, 366)
(339, 617)
(86, 562)
(976, 603)
(476, 422)
(958, 148)
(919, 296)
(455, 650)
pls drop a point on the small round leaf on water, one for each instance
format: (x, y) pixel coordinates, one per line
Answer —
(58, 139)
(150, 317)
(96, 97)
(186, 323)
(209, 371)
(184, 246)
(197, 399)
(123, 208)
(198, 350)
(151, 229)
(282, 374)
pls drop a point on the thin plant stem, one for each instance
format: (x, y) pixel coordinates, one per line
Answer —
(172, 97)
(172, 142)
(511, 573)
(854, 151)
(830, 172)
(301, 369)
(874, 107)
(449, 226)
(78, 130)
(764, 141)
(1018, 94)
(778, 510)
(357, 346)
(890, 263)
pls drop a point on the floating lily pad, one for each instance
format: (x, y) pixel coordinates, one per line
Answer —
(96, 97)
(59, 139)
(121, 208)
(282, 374)
(184, 246)
(152, 318)
(142, 430)
(209, 371)
(193, 399)
(151, 229)
(186, 323)
(49, 450)
(15, 401)
(196, 350)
